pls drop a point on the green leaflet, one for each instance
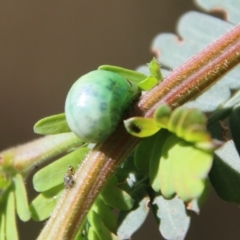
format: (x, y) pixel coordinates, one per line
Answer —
(148, 83)
(126, 73)
(174, 119)
(174, 165)
(188, 124)
(4, 184)
(183, 169)
(196, 204)
(144, 82)
(52, 125)
(162, 115)
(92, 234)
(53, 174)
(99, 228)
(133, 219)
(143, 153)
(148, 153)
(141, 127)
(155, 70)
(11, 227)
(2, 226)
(84, 232)
(117, 198)
(105, 212)
(43, 205)
(174, 221)
(21, 199)
(154, 160)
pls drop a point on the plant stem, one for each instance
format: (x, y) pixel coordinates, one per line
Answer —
(188, 81)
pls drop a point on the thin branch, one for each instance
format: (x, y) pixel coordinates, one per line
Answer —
(192, 78)
(195, 75)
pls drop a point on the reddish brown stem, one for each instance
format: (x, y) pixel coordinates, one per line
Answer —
(186, 82)
(195, 75)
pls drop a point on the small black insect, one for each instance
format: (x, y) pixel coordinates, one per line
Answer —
(135, 128)
(69, 178)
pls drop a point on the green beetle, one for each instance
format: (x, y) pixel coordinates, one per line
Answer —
(96, 102)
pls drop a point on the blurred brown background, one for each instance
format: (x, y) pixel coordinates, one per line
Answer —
(46, 45)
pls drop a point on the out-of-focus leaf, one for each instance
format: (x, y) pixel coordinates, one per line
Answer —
(226, 110)
(128, 172)
(53, 174)
(162, 115)
(228, 7)
(219, 115)
(99, 227)
(83, 233)
(233, 101)
(183, 169)
(43, 205)
(196, 31)
(117, 198)
(154, 69)
(190, 117)
(92, 234)
(2, 226)
(4, 184)
(175, 118)
(196, 204)
(126, 73)
(148, 83)
(174, 221)
(113, 180)
(145, 70)
(21, 199)
(141, 127)
(210, 100)
(189, 124)
(133, 219)
(234, 122)
(52, 125)
(154, 162)
(225, 173)
(143, 153)
(108, 217)
(11, 227)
